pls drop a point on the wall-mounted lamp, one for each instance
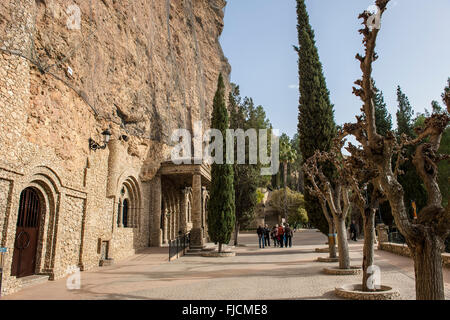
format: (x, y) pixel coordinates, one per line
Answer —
(106, 137)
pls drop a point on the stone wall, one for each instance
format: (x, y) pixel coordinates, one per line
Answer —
(140, 69)
(69, 233)
(403, 250)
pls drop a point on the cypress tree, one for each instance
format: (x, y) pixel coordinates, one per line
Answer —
(410, 180)
(246, 176)
(316, 126)
(221, 213)
(383, 118)
(405, 115)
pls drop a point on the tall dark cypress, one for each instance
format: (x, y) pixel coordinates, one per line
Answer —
(383, 121)
(316, 126)
(405, 115)
(412, 184)
(221, 212)
(383, 118)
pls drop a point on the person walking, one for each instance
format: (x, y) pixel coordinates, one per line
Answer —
(353, 231)
(288, 234)
(267, 235)
(260, 232)
(274, 235)
(280, 236)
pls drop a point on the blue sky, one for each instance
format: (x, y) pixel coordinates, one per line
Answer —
(413, 46)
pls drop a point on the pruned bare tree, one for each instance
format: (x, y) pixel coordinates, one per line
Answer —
(361, 177)
(334, 193)
(426, 235)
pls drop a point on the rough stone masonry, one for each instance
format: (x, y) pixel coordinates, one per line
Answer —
(137, 68)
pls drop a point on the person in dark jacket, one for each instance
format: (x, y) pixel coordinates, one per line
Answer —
(274, 235)
(353, 231)
(288, 234)
(260, 232)
(267, 236)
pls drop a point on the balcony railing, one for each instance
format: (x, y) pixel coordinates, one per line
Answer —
(178, 246)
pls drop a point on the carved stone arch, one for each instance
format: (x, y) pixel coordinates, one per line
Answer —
(136, 201)
(130, 176)
(133, 195)
(48, 188)
(47, 175)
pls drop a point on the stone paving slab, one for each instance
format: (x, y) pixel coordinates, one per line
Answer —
(270, 273)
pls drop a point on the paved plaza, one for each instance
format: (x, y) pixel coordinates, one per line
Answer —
(254, 274)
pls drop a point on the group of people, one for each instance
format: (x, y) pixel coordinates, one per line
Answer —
(281, 236)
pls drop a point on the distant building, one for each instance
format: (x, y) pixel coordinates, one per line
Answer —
(265, 214)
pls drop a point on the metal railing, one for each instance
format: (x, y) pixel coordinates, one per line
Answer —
(178, 246)
(395, 236)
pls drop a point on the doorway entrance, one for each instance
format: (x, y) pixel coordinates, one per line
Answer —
(27, 233)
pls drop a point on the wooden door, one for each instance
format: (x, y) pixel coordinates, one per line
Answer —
(27, 233)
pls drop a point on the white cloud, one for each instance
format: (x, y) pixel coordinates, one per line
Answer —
(293, 86)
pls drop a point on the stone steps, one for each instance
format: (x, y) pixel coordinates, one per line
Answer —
(198, 251)
(106, 262)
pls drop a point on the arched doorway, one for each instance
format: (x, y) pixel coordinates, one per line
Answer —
(27, 233)
(125, 213)
(129, 204)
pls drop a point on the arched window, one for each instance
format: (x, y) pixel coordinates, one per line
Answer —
(125, 213)
(129, 211)
(119, 213)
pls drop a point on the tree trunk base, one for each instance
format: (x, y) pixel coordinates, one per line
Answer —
(354, 292)
(328, 259)
(343, 272)
(428, 269)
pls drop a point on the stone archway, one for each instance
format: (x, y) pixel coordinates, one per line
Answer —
(35, 209)
(129, 205)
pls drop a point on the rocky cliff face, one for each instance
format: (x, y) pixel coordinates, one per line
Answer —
(143, 67)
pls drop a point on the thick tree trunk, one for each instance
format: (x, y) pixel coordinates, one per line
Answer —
(220, 247)
(236, 232)
(344, 258)
(428, 269)
(331, 242)
(368, 250)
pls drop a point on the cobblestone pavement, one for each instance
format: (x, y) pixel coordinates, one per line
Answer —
(271, 273)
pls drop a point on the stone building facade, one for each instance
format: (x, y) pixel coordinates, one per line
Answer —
(265, 213)
(139, 69)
